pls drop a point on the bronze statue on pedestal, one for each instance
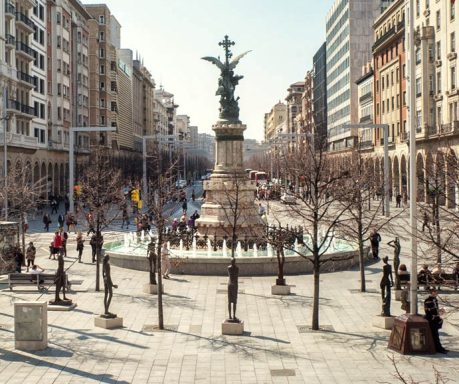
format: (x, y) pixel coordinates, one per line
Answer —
(108, 287)
(233, 274)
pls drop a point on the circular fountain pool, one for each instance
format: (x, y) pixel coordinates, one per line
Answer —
(202, 257)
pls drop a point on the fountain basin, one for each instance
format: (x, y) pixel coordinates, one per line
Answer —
(248, 266)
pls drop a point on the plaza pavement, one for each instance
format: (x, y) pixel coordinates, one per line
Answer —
(278, 346)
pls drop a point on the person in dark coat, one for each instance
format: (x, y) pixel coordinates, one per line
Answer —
(46, 221)
(375, 239)
(433, 317)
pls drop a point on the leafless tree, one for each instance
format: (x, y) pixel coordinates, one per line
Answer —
(358, 190)
(319, 212)
(439, 377)
(160, 184)
(101, 193)
(22, 193)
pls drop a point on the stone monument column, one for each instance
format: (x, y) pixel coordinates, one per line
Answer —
(230, 195)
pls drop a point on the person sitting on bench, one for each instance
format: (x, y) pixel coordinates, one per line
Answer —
(36, 271)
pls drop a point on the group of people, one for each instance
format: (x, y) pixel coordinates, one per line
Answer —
(185, 224)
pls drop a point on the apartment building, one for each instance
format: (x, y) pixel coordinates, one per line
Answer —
(348, 47)
(143, 100)
(293, 99)
(365, 92)
(305, 120)
(276, 116)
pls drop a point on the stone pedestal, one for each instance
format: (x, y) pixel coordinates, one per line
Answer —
(30, 326)
(227, 186)
(384, 322)
(108, 323)
(411, 335)
(280, 289)
(152, 289)
(62, 308)
(230, 328)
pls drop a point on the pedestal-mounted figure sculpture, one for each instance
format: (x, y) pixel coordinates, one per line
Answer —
(233, 275)
(229, 109)
(397, 249)
(387, 282)
(60, 282)
(108, 287)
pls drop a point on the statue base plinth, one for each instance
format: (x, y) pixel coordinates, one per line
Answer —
(108, 323)
(280, 289)
(62, 308)
(383, 322)
(62, 302)
(232, 328)
(152, 289)
(411, 335)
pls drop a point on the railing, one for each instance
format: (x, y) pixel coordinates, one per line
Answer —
(18, 106)
(24, 19)
(16, 139)
(366, 96)
(384, 38)
(27, 78)
(9, 39)
(25, 48)
(366, 119)
(366, 144)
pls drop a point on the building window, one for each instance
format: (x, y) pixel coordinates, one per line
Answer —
(102, 103)
(418, 8)
(438, 82)
(431, 85)
(101, 53)
(102, 69)
(418, 87)
(453, 42)
(101, 36)
(452, 7)
(397, 75)
(438, 50)
(418, 56)
(438, 20)
(418, 121)
(102, 86)
(101, 19)
(453, 77)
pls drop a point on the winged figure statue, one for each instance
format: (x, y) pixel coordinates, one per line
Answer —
(229, 108)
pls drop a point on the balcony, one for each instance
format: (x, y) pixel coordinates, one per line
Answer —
(22, 21)
(384, 38)
(367, 144)
(24, 78)
(9, 41)
(21, 141)
(366, 119)
(365, 97)
(24, 50)
(10, 11)
(452, 56)
(21, 109)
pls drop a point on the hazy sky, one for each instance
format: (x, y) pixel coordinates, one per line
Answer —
(173, 35)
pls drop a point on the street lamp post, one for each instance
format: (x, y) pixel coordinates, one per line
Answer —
(73, 130)
(5, 150)
(385, 128)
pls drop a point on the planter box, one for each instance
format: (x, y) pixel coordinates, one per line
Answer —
(280, 289)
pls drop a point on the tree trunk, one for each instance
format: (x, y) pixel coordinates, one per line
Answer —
(98, 268)
(160, 281)
(315, 305)
(437, 227)
(21, 223)
(362, 265)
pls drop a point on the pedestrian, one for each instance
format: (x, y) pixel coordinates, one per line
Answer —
(46, 221)
(31, 252)
(425, 221)
(57, 244)
(375, 239)
(54, 205)
(261, 210)
(36, 271)
(60, 220)
(25, 222)
(193, 195)
(125, 218)
(80, 245)
(93, 244)
(165, 262)
(433, 316)
(184, 206)
(175, 225)
(66, 203)
(398, 200)
(18, 258)
(64, 236)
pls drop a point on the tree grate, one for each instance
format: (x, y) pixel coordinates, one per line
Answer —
(155, 328)
(283, 372)
(307, 328)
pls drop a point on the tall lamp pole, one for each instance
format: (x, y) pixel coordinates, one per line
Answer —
(5, 150)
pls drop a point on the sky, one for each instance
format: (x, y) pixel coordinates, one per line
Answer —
(172, 35)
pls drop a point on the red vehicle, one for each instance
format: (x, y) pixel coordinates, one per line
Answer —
(261, 177)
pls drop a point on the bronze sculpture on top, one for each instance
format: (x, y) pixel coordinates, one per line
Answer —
(60, 281)
(108, 288)
(229, 108)
(228, 186)
(233, 283)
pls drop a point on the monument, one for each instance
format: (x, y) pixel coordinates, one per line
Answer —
(61, 285)
(230, 197)
(385, 320)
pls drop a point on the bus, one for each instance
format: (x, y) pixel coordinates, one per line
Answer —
(252, 175)
(261, 177)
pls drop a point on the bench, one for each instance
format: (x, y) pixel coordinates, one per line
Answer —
(32, 279)
(449, 280)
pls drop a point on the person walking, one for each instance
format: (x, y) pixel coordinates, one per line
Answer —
(93, 244)
(54, 205)
(80, 245)
(57, 244)
(31, 252)
(46, 221)
(18, 258)
(165, 262)
(64, 236)
(398, 200)
(375, 239)
(125, 218)
(185, 206)
(433, 316)
(60, 220)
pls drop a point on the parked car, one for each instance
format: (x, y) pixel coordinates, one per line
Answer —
(287, 198)
(180, 184)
